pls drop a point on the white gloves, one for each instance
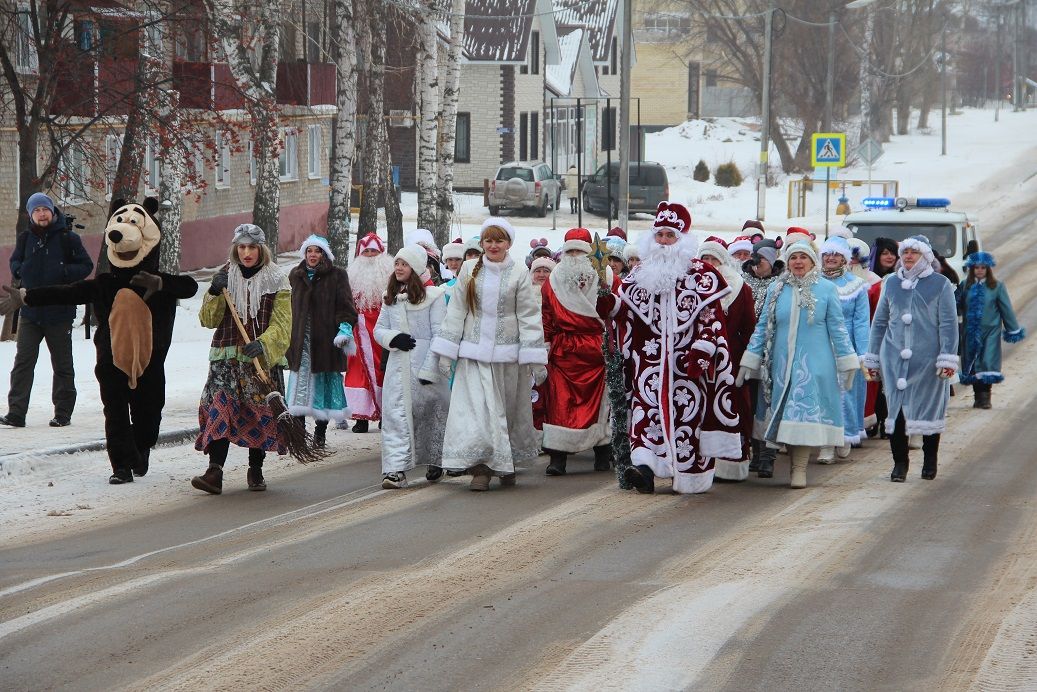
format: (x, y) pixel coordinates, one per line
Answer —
(744, 374)
(342, 340)
(945, 373)
(539, 373)
(848, 379)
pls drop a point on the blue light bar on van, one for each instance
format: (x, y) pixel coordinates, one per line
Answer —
(878, 202)
(932, 203)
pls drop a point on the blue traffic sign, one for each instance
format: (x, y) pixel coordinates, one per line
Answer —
(828, 149)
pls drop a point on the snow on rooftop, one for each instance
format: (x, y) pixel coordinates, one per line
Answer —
(497, 30)
(599, 18)
(560, 77)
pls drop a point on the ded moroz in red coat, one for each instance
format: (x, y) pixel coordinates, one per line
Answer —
(577, 412)
(368, 278)
(679, 377)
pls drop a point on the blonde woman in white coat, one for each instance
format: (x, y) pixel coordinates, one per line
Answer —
(494, 331)
(415, 394)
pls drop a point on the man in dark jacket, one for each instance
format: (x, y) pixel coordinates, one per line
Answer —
(47, 254)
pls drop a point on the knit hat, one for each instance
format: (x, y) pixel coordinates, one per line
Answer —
(577, 239)
(716, 247)
(319, 241)
(767, 249)
(672, 216)
(616, 245)
(453, 250)
(37, 200)
(979, 259)
(415, 256)
(248, 234)
(371, 241)
(631, 252)
(803, 246)
(837, 246)
(500, 223)
(753, 223)
(542, 262)
(617, 232)
(742, 242)
(861, 251)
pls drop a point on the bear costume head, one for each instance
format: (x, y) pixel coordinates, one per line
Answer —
(132, 233)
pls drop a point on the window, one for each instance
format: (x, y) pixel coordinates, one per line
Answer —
(534, 136)
(153, 38)
(190, 41)
(72, 174)
(532, 65)
(463, 138)
(287, 44)
(152, 166)
(25, 58)
(523, 133)
(608, 128)
(712, 35)
(112, 152)
(711, 78)
(288, 161)
(314, 133)
(313, 47)
(222, 160)
(613, 56)
(84, 34)
(251, 163)
(669, 23)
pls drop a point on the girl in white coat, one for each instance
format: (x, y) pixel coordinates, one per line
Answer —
(415, 394)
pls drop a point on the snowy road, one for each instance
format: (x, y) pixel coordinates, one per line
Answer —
(327, 582)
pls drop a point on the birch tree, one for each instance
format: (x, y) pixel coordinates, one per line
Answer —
(255, 27)
(451, 92)
(171, 194)
(428, 111)
(375, 135)
(343, 142)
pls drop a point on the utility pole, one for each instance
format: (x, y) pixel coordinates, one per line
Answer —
(830, 77)
(1016, 66)
(765, 131)
(624, 118)
(943, 88)
(997, 65)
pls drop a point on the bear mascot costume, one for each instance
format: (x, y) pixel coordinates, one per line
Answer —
(135, 305)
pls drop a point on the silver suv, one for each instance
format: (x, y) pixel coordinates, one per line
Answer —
(524, 186)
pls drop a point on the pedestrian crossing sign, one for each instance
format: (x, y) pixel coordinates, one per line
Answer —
(828, 149)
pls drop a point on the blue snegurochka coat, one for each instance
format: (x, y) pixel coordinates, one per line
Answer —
(914, 333)
(984, 311)
(853, 295)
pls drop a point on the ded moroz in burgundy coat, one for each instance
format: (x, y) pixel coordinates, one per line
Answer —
(327, 301)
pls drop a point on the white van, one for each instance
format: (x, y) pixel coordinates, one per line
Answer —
(950, 232)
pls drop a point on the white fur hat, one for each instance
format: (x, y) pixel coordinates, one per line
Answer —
(631, 252)
(415, 256)
(837, 245)
(318, 241)
(453, 251)
(542, 262)
(500, 222)
(577, 239)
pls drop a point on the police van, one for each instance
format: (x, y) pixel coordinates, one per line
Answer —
(951, 233)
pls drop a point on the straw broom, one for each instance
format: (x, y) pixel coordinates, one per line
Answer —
(300, 443)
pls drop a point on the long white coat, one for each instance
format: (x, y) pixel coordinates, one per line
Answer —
(413, 414)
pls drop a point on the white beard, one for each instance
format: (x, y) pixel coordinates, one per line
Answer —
(368, 278)
(576, 273)
(663, 265)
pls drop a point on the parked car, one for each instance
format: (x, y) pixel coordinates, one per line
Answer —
(648, 186)
(522, 186)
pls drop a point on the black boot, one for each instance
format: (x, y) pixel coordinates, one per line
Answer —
(767, 456)
(754, 463)
(984, 399)
(141, 467)
(603, 458)
(254, 477)
(121, 476)
(556, 467)
(360, 426)
(641, 478)
(930, 449)
(320, 434)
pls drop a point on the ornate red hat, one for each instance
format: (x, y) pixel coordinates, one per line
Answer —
(742, 242)
(617, 232)
(673, 216)
(371, 241)
(577, 239)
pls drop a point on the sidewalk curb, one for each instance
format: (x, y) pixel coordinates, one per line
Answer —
(168, 438)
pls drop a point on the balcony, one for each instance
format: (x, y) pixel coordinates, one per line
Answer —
(305, 84)
(89, 87)
(210, 86)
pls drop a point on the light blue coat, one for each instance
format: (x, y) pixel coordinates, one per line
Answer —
(915, 332)
(985, 312)
(853, 295)
(805, 361)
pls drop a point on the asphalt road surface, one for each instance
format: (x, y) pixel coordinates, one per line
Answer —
(326, 581)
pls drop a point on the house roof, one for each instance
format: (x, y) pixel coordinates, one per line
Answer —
(560, 77)
(599, 17)
(497, 30)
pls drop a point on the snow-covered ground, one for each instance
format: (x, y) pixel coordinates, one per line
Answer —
(41, 490)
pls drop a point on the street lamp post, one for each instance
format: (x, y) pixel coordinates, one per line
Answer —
(943, 89)
(765, 129)
(830, 76)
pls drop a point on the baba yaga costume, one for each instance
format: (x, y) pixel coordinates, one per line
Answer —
(368, 276)
(913, 344)
(415, 393)
(678, 372)
(987, 316)
(323, 318)
(740, 320)
(233, 407)
(800, 351)
(853, 296)
(577, 411)
(495, 333)
(135, 306)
